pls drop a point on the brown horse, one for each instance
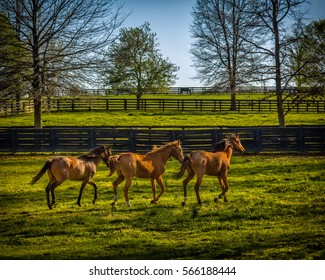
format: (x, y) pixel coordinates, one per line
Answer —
(214, 163)
(150, 165)
(82, 169)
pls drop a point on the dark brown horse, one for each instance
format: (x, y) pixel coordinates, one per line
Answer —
(82, 169)
(150, 165)
(216, 163)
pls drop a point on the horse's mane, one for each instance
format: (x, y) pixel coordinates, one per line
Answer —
(220, 146)
(93, 153)
(156, 148)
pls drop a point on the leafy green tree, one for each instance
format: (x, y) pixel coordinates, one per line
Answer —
(136, 65)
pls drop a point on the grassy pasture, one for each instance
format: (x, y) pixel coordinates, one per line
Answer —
(149, 118)
(275, 211)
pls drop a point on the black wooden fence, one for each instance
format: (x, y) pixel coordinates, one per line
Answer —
(82, 104)
(304, 139)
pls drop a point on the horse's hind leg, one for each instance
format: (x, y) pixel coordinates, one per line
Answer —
(47, 191)
(185, 183)
(128, 182)
(50, 188)
(153, 188)
(95, 190)
(84, 183)
(118, 181)
(197, 187)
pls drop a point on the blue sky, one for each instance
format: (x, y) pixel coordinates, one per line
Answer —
(171, 20)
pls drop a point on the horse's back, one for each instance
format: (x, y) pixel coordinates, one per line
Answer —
(211, 163)
(137, 165)
(72, 168)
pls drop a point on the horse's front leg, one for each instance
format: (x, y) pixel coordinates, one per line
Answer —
(95, 190)
(153, 188)
(224, 186)
(162, 188)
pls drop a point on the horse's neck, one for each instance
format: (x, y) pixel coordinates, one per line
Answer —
(228, 151)
(164, 154)
(95, 160)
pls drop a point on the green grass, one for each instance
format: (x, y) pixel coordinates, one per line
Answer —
(275, 211)
(134, 118)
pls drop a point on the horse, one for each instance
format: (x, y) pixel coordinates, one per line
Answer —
(150, 165)
(216, 163)
(82, 168)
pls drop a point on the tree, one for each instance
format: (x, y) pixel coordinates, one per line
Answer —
(221, 55)
(275, 17)
(13, 55)
(309, 57)
(65, 40)
(136, 65)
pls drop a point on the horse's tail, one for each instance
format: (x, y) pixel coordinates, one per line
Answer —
(112, 165)
(46, 166)
(186, 163)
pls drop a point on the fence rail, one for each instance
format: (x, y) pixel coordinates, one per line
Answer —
(303, 139)
(81, 104)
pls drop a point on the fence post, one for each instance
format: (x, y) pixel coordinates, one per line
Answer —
(257, 140)
(125, 105)
(300, 140)
(132, 145)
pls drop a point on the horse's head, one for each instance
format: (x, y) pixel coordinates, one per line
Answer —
(105, 153)
(235, 143)
(177, 151)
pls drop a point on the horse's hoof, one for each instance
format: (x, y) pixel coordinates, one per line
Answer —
(50, 206)
(183, 203)
(216, 199)
(113, 203)
(153, 201)
(79, 204)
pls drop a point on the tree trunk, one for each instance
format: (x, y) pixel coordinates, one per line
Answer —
(278, 86)
(36, 83)
(138, 101)
(38, 112)
(233, 98)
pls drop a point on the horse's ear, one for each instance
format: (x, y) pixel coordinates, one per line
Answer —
(178, 142)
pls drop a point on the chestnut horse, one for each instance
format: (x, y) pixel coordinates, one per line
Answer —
(214, 163)
(82, 169)
(150, 165)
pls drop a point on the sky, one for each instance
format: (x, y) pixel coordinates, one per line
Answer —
(171, 20)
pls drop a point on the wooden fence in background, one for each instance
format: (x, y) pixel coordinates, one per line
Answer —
(82, 104)
(303, 139)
